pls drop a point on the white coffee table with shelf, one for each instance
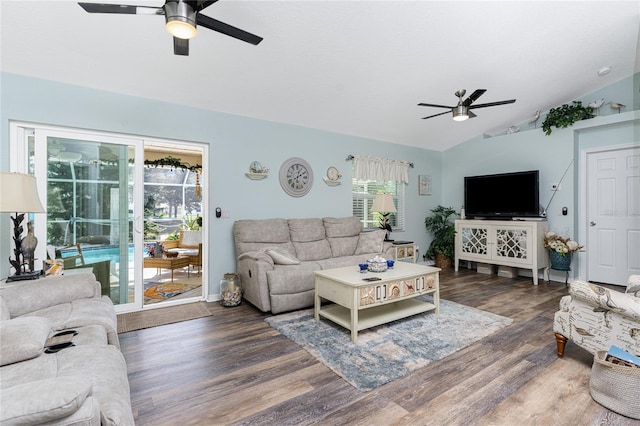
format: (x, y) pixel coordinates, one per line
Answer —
(359, 304)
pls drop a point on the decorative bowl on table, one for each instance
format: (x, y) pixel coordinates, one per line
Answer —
(377, 264)
(171, 254)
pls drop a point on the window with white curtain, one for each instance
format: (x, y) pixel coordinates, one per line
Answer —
(363, 194)
(373, 175)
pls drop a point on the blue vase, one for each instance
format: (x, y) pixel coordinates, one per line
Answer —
(560, 262)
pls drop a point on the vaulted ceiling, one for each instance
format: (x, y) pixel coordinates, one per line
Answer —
(352, 67)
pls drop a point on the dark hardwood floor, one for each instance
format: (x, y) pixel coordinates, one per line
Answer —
(232, 368)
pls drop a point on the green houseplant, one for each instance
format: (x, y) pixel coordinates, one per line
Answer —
(440, 225)
(565, 115)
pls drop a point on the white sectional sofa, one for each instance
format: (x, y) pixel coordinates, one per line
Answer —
(83, 384)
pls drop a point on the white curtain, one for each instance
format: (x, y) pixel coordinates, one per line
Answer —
(380, 169)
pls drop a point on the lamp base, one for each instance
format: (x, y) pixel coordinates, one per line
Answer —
(25, 276)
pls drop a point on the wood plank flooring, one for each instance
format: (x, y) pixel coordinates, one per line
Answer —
(232, 368)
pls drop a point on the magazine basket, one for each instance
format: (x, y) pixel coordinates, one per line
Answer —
(616, 387)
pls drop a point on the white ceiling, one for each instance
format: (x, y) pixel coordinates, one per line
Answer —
(352, 67)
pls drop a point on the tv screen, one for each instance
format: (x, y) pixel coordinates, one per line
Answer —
(505, 195)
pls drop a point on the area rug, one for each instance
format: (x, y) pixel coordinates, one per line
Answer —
(154, 317)
(388, 352)
(158, 291)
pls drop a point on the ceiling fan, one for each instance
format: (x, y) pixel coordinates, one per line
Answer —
(181, 17)
(461, 111)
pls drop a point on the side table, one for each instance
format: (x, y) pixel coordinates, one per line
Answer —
(405, 252)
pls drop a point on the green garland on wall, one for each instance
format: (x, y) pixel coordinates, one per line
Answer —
(174, 163)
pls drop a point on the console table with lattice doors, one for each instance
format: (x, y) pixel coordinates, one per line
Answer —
(515, 243)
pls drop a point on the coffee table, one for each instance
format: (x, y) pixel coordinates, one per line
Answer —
(167, 263)
(359, 304)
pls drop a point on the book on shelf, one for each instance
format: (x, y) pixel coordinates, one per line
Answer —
(619, 356)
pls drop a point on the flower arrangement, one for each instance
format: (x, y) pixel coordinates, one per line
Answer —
(554, 242)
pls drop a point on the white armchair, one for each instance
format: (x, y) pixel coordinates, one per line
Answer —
(595, 317)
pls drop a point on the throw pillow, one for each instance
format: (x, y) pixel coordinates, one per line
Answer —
(633, 285)
(281, 256)
(371, 242)
(22, 338)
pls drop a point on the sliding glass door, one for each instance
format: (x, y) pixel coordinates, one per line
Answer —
(94, 208)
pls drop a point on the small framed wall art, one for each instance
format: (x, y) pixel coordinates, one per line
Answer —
(424, 185)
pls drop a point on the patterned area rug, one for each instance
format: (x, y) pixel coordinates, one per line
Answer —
(159, 291)
(387, 352)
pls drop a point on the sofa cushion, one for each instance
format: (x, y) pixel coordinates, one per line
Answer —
(252, 234)
(305, 230)
(4, 310)
(51, 291)
(309, 239)
(343, 246)
(313, 250)
(292, 278)
(281, 256)
(43, 401)
(22, 338)
(371, 242)
(342, 226)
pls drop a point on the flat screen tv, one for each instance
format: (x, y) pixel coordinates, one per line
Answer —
(505, 195)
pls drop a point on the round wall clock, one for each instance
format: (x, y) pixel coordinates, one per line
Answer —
(296, 177)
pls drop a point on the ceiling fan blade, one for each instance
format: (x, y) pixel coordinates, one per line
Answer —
(436, 106)
(435, 115)
(180, 46)
(510, 101)
(121, 8)
(221, 27)
(471, 114)
(473, 97)
(202, 4)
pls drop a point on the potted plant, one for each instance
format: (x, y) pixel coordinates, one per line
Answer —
(560, 250)
(565, 115)
(440, 225)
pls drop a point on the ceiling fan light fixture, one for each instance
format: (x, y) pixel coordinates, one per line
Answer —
(181, 29)
(181, 20)
(460, 113)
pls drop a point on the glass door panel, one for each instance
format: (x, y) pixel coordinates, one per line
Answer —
(93, 215)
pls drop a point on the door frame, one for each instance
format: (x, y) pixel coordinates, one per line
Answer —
(18, 152)
(582, 199)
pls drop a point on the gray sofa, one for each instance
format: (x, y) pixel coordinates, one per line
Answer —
(85, 384)
(276, 258)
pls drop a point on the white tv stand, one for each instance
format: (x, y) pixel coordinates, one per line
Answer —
(515, 243)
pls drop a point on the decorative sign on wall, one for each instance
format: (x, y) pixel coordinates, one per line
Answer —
(424, 185)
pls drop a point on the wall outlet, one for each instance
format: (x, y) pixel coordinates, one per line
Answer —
(555, 187)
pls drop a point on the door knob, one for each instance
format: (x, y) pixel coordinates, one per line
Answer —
(592, 223)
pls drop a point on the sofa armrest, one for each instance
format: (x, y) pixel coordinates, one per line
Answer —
(605, 299)
(252, 268)
(43, 401)
(29, 296)
(388, 250)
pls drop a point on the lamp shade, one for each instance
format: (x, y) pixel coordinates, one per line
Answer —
(383, 203)
(19, 194)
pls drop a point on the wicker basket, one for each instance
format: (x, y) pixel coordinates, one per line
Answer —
(615, 387)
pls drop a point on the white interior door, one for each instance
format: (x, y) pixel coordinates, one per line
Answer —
(613, 215)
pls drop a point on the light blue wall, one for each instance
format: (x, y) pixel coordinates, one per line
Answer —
(531, 149)
(234, 142)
